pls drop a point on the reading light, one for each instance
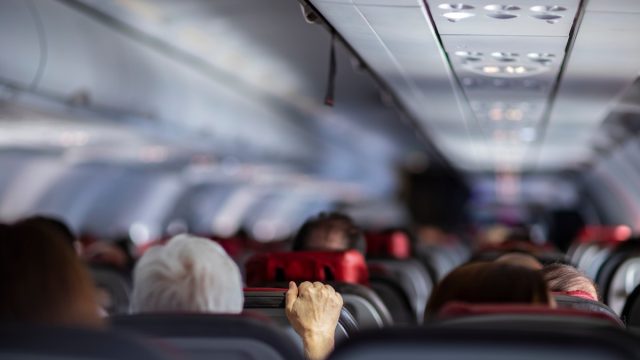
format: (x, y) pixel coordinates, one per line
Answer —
(457, 16)
(490, 69)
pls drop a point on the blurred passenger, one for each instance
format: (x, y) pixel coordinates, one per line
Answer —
(58, 226)
(330, 232)
(196, 275)
(520, 259)
(490, 283)
(568, 280)
(117, 254)
(43, 280)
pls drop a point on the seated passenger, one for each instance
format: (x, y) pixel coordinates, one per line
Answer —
(489, 283)
(329, 232)
(55, 225)
(43, 280)
(520, 259)
(568, 280)
(196, 275)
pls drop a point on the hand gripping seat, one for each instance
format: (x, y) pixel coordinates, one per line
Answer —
(270, 303)
(346, 271)
(213, 336)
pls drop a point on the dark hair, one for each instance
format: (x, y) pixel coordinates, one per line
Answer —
(43, 281)
(315, 233)
(489, 282)
(52, 224)
(566, 278)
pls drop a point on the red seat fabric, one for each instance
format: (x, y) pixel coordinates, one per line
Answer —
(459, 309)
(577, 293)
(394, 245)
(604, 234)
(342, 266)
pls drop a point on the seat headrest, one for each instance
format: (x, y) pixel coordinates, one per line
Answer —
(264, 298)
(24, 341)
(340, 266)
(245, 336)
(605, 234)
(394, 245)
(459, 309)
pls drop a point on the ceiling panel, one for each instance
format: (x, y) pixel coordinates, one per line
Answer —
(604, 62)
(486, 17)
(407, 56)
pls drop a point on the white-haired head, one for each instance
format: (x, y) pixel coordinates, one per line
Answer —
(188, 274)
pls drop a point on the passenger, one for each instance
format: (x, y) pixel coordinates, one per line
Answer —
(330, 232)
(520, 259)
(43, 280)
(196, 275)
(58, 226)
(489, 283)
(568, 280)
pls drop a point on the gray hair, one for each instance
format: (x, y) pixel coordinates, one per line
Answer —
(188, 274)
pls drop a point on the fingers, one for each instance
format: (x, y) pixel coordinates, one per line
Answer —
(303, 289)
(292, 295)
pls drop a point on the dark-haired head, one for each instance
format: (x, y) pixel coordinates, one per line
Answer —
(51, 224)
(329, 232)
(489, 283)
(43, 281)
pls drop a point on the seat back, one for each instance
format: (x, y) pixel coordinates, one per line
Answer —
(339, 269)
(209, 336)
(523, 315)
(326, 266)
(625, 278)
(582, 304)
(618, 255)
(388, 256)
(388, 245)
(365, 305)
(412, 278)
(631, 311)
(116, 287)
(55, 343)
(435, 342)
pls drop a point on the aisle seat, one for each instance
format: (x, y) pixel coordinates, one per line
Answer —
(21, 341)
(522, 315)
(388, 258)
(213, 336)
(475, 343)
(345, 271)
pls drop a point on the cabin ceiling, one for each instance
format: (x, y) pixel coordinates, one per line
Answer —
(499, 87)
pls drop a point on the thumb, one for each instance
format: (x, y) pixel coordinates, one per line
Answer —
(292, 295)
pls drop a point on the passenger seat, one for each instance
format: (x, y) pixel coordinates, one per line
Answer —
(56, 343)
(346, 271)
(212, 336)
(390, 262)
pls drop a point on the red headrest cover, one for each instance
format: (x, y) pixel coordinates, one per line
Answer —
(394, 245)
(342, 266)
(605, 234)
(459, 309)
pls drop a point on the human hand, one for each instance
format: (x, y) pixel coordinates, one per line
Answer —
(313, 311)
